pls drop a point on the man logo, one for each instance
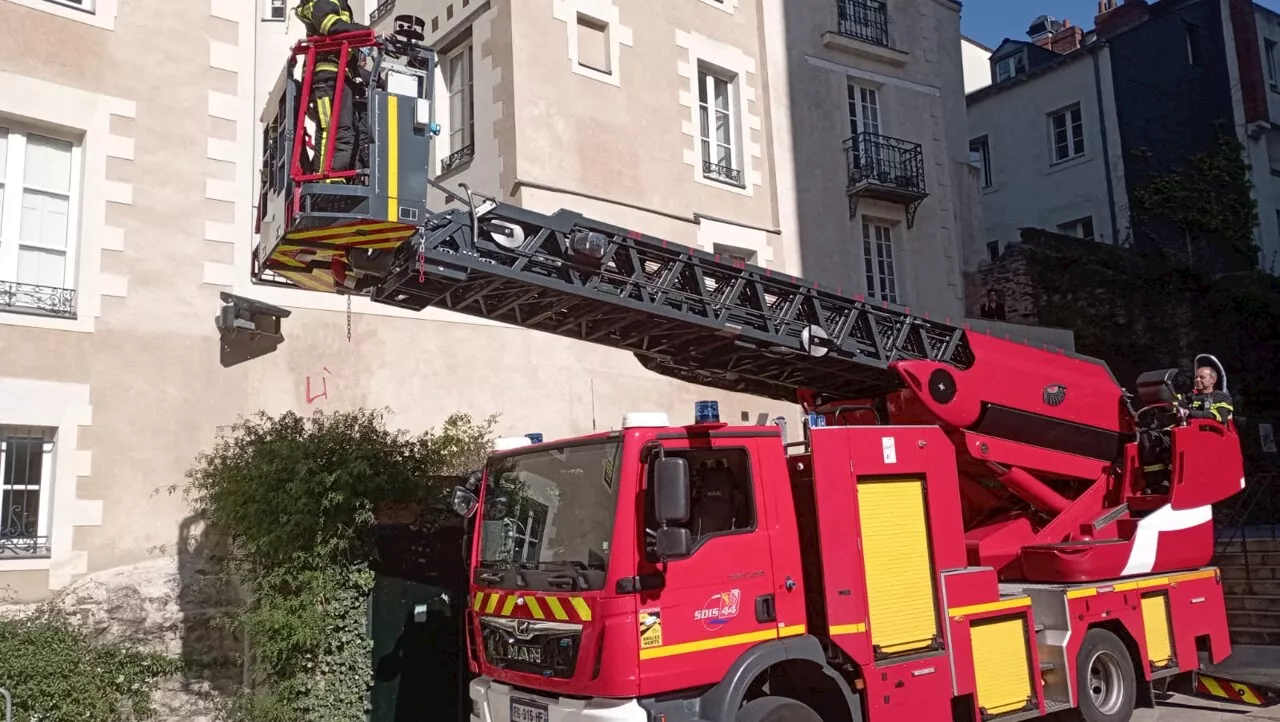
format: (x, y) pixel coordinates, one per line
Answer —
(410, 27)
(523, 629)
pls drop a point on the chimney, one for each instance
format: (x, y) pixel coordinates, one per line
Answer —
(1115, 16)
(1068, 39)
(1042, 30)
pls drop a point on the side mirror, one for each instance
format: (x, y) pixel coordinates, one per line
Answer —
(672, 496)
(464, 502)
(674, 542)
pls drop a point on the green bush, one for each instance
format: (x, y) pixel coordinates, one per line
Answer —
(56, 673)
(295, 498)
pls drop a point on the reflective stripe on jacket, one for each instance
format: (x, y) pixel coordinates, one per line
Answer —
(326, 17)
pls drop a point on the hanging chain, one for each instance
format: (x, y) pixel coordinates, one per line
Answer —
(348, 318)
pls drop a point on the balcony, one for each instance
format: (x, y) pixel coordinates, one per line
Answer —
(886, 169)
(862, 29)
(865, 20)
(384, 8)
(458, 158)
(37, 300)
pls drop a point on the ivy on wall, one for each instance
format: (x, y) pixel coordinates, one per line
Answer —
(296, 499)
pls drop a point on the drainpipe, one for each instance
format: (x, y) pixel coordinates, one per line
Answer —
(1106, 153)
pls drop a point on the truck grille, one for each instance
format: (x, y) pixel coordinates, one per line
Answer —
(549, 649)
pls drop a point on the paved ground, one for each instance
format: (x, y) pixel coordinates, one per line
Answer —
(1190, 709)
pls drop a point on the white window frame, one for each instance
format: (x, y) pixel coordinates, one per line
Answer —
(708, 77)
(1074, 128)
(1012, 65)
(270, 6)
(858, 99)
(980, 158)
(44, 486)
(1076, 228)
(877, 237)
(1269, 57)
(13, 185)
(466, 94)
(88, 6)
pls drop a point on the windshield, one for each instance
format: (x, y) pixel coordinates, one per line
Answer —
(550, 511)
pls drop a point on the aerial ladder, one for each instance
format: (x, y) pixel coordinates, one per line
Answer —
(1051, 483)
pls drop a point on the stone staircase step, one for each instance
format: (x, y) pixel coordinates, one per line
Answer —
(1255, 573)
(1252, 603)
(1256, 558)
(1258, 587)
(1269, 620)
(1253, 635)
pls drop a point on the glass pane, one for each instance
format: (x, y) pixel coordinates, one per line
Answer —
(705, 120)
(723, 124)
(44, 220)
(48, 164)
(724, 156)
(457, 110)
(703, 79)
(706, 151)
(722, 94)
(4, 151)
(42, 268)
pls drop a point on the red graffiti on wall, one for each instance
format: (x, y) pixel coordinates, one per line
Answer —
(321, 390)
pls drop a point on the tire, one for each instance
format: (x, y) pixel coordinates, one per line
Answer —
(1106, 686)
(776, 709)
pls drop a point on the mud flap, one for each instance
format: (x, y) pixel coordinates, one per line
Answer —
(1225, 689)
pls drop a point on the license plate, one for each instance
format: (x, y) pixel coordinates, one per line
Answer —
(525, 711)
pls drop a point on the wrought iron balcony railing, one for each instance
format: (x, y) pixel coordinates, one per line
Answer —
(384, 9)
(889, 162)
(37, 300)
(866, 20)
(722, 173)
(458, 157)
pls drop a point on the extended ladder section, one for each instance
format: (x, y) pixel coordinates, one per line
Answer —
(684, 312)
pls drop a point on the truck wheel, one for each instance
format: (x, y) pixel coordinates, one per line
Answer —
(776, 709)
(1106, 687)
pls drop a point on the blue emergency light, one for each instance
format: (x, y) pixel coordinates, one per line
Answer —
(534, 438)
(706, 412)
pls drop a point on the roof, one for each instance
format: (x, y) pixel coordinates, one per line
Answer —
(997, 88)
(975, 43)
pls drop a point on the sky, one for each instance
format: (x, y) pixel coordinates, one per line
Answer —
(990, 21)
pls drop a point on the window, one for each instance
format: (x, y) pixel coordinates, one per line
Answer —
(1193, 44)
(1009, 67)
(993, 251)
(716, 99)
(38, 178)
(723, 502)
(459, 79)
(1270, 46)
(736, 256)
(980, 158)
(1080, 228)
(1068, 134)
(275, 11)
(593, 44)
(877, 254)
(864, 110)
(80, 4)
(26, 470)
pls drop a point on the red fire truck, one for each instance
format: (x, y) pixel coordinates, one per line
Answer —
(966, 532)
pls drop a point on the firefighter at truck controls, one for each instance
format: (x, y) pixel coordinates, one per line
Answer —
(324, 18)
(1206, 401)
(1156, 445)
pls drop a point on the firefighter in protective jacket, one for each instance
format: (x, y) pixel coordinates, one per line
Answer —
(323, 18)
(1206, 400)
